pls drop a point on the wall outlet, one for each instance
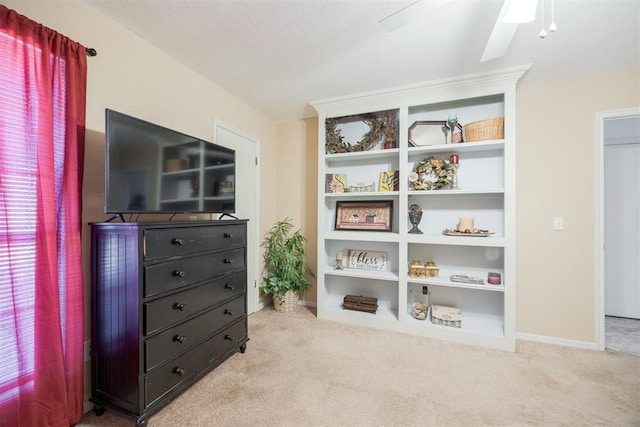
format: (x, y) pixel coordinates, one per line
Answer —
(87, 350)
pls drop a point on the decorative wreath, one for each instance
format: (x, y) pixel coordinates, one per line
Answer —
(432, 174)
(379, 128)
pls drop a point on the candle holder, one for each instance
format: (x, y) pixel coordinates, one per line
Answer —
(454, 159)
(452, 122)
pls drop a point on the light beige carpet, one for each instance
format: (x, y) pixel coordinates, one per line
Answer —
(301, 371)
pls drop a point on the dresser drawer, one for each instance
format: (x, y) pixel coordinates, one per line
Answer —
(171, 242)
(181, 369)
(170, 275)
(178, 307)
(186, 335)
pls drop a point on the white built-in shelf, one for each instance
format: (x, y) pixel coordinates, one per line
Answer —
(363, 274)
(374, 195)
(362, 155)
(486, 175)
(370, 236)
(441, 239)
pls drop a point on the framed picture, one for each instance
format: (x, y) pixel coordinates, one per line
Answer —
(335, 183)
(389, 181)
(366, 260)
(364, 215)
(431, 132)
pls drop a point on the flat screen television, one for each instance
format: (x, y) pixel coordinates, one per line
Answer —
(151, 169)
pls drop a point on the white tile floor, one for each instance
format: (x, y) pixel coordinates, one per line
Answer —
(622, 334)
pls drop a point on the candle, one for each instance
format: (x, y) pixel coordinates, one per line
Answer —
(454, 158)
(465, 223)
(493, 278)
(339, 256)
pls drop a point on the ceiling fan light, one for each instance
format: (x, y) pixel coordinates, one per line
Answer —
(521, 11)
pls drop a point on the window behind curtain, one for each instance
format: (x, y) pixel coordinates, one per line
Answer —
(42, 114)
(17, 234)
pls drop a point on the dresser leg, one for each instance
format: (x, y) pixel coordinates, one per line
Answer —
(98, 410)
(243, 348)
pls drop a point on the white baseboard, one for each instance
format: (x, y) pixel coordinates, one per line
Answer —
(557, 341)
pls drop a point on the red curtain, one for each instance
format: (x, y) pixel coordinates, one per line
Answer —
(42, 127)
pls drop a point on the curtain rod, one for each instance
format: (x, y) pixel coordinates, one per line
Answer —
(91, 51)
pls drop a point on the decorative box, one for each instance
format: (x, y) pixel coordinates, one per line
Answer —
(432, 269)
(417, 270)
(360, 303)
(446, 316)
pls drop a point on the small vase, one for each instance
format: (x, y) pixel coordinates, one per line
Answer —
(414, 219)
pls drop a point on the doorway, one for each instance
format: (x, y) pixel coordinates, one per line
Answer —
(619, 238)
(247, 199)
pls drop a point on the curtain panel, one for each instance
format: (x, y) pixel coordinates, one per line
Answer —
(42, 130)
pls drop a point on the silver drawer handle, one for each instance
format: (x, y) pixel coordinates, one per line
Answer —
(179, 338)
(179, 241)
(179, 306)
(228, 235)
(228, 311)
(178, 273)
(228, 261)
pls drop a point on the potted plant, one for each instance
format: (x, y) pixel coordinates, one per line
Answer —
(284, 266)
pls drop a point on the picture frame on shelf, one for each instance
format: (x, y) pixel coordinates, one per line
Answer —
(335, 183)
(366, 260)
(431, 132)
(389, 181)
(364, 215)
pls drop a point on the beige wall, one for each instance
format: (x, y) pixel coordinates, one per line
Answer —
(556, 176)
(297, 165)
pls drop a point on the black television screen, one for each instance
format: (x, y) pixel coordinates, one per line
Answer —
(152, 169)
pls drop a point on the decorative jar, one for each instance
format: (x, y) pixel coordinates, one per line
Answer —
(432, 270)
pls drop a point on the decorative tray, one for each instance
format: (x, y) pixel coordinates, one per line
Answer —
(462, 278)
(474, 233)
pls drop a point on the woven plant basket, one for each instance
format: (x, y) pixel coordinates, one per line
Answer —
(289, 302)
(484, 130)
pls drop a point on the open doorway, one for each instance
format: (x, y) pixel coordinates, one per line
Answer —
(619, 242)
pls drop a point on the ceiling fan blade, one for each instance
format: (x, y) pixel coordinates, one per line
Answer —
(403, 16)
(500, 37)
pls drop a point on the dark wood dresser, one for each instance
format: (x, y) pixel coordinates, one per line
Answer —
(168, 304)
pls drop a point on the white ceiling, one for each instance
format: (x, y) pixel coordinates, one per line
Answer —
(278, 55)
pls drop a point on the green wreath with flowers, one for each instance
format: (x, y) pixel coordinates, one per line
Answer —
(432, 173)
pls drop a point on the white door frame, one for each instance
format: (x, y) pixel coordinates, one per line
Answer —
(599, 288)
(253, 252)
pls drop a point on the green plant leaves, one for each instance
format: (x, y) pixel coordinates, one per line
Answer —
(284, 260)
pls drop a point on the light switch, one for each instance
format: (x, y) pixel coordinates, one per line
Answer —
(558, 223)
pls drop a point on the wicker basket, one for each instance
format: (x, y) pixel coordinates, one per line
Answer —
(484, 130)
(288, 304)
